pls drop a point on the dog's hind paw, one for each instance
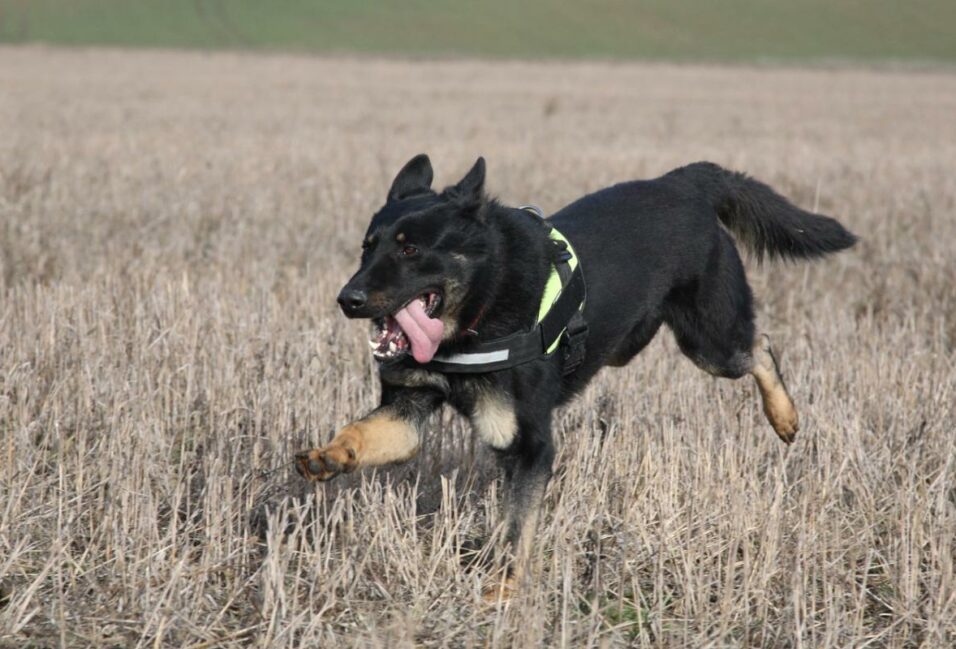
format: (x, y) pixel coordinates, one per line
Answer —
(321, 464)
(501, 592)
(777, 404)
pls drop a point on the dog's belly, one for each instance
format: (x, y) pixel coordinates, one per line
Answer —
(638, 338)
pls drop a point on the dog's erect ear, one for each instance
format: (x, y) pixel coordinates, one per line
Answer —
(473, 184)
(414, 178)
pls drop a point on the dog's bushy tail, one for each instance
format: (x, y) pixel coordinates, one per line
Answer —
(763, 220)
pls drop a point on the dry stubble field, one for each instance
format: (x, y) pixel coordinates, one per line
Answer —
(174, 228)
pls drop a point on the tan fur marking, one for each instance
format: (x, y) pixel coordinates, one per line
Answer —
(454, 292)
(502, 591)
(777, 404)
(378, 439)
(494, 420)
(400, 237)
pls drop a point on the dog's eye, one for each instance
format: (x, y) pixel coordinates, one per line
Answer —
(408, 251)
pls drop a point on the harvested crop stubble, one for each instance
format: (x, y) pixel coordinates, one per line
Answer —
(174, 228)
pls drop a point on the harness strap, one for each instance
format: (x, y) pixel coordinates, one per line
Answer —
(565, 316)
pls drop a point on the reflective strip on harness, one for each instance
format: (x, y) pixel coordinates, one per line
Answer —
(479, 358)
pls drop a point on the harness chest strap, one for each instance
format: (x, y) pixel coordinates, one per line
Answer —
(559, 314)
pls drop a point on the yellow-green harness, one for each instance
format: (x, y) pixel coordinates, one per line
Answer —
(552, 288)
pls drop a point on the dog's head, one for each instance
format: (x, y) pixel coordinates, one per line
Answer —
(420, 258)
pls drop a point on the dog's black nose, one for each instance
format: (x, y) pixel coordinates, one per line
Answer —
(351, 299)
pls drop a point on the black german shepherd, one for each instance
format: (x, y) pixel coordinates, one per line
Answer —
(445, 271)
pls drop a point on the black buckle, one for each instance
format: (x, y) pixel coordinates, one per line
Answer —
(561, 253)
(573, 345)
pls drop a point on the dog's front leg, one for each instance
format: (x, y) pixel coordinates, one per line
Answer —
(388, 434)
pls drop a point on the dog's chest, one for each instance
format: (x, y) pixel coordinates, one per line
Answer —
(494, 420)
(489, 409)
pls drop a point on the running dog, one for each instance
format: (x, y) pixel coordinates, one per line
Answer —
(461, 293)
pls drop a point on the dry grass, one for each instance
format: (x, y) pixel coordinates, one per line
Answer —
(173, 228)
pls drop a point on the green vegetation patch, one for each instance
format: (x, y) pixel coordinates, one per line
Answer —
(732, 30)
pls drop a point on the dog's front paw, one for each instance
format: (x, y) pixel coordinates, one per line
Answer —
(784, 421)
(321, 464)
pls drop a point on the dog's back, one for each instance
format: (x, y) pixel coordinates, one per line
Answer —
(654, 252)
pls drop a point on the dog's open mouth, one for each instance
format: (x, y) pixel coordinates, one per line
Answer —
(412, 328)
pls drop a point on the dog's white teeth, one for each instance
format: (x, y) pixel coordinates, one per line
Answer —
(392, 347)
(373, 344)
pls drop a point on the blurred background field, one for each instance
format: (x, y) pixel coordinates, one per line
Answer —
(731, 30)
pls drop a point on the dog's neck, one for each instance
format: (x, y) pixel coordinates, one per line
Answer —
(508, 287)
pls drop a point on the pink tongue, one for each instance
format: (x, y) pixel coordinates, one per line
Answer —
(423, 333)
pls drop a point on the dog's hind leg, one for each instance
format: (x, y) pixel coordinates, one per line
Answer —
(712, 317)
(777, 404)
(713, 322)
(734, 362)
